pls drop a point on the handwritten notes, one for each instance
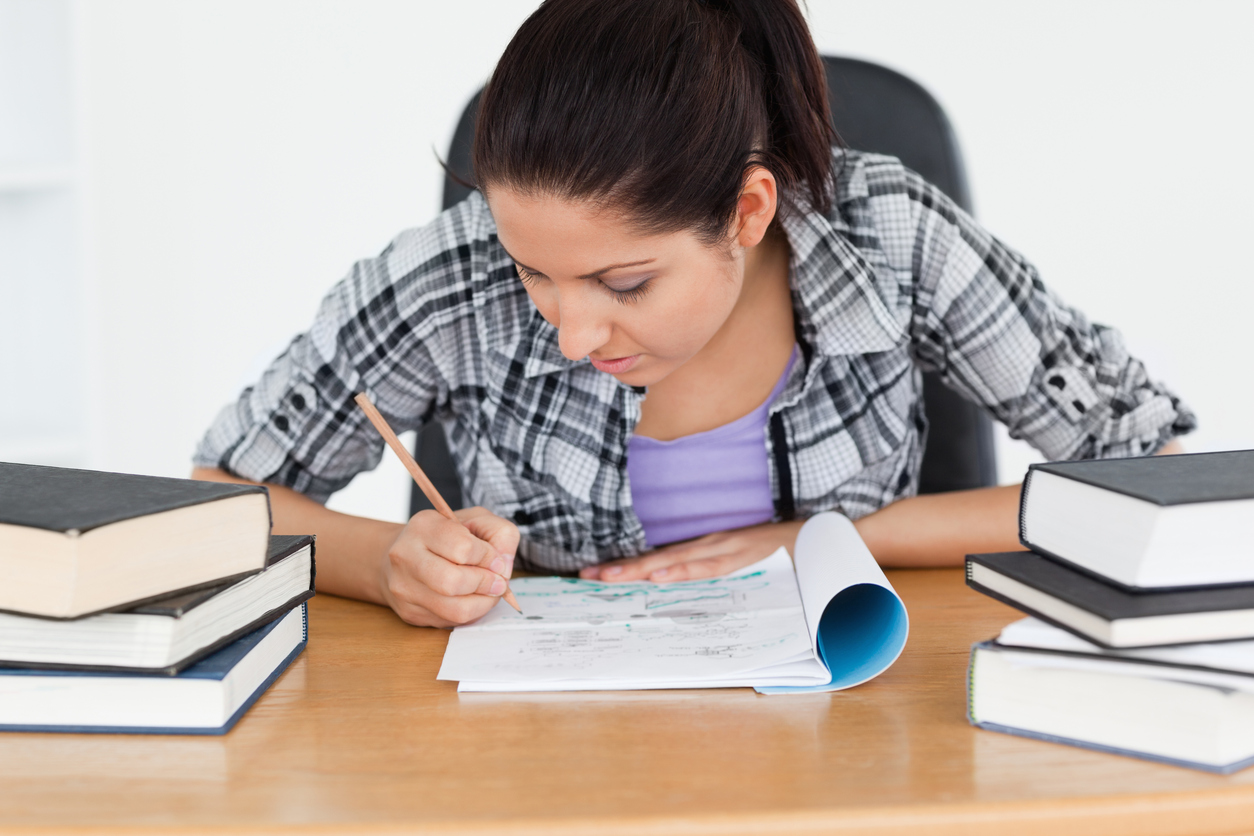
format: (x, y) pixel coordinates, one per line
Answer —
(754, 627)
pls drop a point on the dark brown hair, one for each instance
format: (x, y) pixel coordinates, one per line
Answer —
(659, 108)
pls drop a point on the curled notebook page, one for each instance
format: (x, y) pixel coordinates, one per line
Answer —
(750, 628)
(861, 625)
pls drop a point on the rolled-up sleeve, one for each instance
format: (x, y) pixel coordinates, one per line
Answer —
(298, 426)
(986, 323)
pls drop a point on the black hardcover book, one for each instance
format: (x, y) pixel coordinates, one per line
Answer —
(1109, 615)
(1154, 522)
(74, 542)
(64, 499)
(168, 634)
(181, 603)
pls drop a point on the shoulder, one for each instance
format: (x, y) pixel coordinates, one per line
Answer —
(456, 249)
(454, 263)
(431, 286)
(887, 210)
(880, 180)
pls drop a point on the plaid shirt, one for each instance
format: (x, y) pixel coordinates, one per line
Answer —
(896, 280)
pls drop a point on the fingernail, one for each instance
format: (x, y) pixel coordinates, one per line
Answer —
(509, 564)
(498, 566)
(498, 586)
(660, 573)
(612, 570)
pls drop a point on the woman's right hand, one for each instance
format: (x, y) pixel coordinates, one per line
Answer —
(439, 573)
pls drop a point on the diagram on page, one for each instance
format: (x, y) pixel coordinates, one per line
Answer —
(833, 622)
(553, 601)
(575, 629)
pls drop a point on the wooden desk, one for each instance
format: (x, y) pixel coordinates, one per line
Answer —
(358, 736)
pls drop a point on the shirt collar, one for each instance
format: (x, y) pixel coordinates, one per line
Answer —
(512, 324)
(842, 303)
(544, 355)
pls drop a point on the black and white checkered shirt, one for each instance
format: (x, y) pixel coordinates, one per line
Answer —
(895, 281)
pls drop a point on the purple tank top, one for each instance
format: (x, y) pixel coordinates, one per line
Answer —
(706, 482)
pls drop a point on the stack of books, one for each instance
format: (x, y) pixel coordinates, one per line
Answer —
(1140, 590)
(142, 604)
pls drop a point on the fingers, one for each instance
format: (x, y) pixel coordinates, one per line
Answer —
(452, 540)
(501, 534)
(695, 570)
(451, 580)
(705, 557)
(657, 565)
(430, 610)
(430, 591)
(439, 573)
(421, 616)
(638, 569)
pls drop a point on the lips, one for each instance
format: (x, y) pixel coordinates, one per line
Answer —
(617, 365)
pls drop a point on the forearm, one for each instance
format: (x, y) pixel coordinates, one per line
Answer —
(351, 549)
(940, 529)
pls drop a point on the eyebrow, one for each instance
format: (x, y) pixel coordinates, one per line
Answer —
(595, 274)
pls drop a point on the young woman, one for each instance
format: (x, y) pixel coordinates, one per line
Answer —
(676, 320)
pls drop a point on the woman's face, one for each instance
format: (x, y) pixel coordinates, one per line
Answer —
(639, 306)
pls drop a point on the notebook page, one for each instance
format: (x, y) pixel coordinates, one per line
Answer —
(856, 622)
(636, 635)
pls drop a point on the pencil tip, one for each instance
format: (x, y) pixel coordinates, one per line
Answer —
(511, 600)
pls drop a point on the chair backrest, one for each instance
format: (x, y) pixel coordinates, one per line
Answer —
(873, 109)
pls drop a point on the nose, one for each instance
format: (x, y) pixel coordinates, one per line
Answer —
(581, 328)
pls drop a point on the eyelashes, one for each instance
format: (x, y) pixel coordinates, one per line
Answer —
(631, 294)
(624, 297)
(524, 275)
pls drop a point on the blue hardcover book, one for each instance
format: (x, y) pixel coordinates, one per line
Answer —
(206, 698)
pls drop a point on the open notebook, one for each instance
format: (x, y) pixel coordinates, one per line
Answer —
(833, 623)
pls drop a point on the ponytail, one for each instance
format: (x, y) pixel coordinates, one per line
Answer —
(794, 90)
(659, 108)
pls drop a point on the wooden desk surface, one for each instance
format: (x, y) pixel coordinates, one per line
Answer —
(358, 736)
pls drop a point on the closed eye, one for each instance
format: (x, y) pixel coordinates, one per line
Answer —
(525, 275)
(628, 295)
(625, 295)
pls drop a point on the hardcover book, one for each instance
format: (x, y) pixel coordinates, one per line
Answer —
(74, 542)
(170, 633)
(1146, 523)
(1188, 706)
(207, 698)
(1110, 615)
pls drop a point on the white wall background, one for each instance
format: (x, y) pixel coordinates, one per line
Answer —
(237, 156)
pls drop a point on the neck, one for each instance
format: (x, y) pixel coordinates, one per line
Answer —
(737, 369)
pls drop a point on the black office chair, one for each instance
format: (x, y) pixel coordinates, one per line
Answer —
(873, 109)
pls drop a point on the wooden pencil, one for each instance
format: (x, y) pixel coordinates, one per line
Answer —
(425, 484)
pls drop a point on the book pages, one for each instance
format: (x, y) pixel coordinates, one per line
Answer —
(762, 626)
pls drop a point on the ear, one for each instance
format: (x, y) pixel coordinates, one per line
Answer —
(756, 209)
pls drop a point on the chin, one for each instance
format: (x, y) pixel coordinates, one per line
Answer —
(646, 376)
(636, 378)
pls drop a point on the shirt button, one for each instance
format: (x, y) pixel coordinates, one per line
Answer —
(298, 400)
(280, 421)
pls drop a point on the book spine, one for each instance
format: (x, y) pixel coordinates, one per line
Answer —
(1023, 507)
(975, 649)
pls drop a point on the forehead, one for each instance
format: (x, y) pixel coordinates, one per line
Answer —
(559, 235)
